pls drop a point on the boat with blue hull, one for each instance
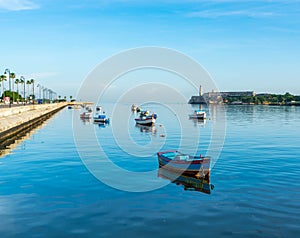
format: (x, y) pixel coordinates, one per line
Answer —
(176, 161)
(101, 119)
(146, 119)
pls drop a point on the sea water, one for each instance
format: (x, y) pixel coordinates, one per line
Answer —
(48, 191)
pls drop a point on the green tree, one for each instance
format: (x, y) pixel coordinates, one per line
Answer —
(17, 81)
(2, 79)
(13, 76)
(288, 97)
(32, 82)
(28, 83)
(23, 84)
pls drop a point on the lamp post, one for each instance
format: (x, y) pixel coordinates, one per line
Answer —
(55, 96)
(24, 81)
(42, 90)
(39, 86)
(45, 93)
(33, 96)
(49, 94)
(7, 71)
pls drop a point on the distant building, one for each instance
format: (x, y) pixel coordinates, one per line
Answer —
(217, 97)
(230, 94)
(197, 100)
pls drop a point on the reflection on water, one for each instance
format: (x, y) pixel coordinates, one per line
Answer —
(189, 182)
(142, 128)
(198, 122)
(101, 124)
(46, 191)
(86, 121)
(8, 145)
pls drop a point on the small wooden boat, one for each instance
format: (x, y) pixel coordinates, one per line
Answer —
(198, 114)
(89, 109)
(86, 115)
(101, 119)
(189, 182)
(174, 160)
(135, 108)
(145, 119)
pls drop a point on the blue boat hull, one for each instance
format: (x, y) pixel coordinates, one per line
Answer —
(176, 161)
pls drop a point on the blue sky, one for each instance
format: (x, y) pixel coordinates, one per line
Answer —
(244, 45)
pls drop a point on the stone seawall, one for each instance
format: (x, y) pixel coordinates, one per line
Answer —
(16, 119)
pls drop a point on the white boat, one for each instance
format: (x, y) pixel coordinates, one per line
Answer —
(135, 108)
(101, 119)
(145, 119)
(198, 114)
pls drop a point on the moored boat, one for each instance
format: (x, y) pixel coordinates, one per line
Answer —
(101, 119)
(135, 108)
(146, 119)
(174, 160)
(198, 114)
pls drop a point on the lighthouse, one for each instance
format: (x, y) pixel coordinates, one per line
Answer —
(200, 91)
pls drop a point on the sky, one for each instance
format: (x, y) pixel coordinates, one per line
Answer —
(244, 45)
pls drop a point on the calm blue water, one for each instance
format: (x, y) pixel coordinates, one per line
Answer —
(47, 191)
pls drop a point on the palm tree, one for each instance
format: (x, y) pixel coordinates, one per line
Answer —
(2, 79)
(71, 98)
(32, 82)
(17, 81)
(28, 83)
(23, 82)
(12, 76)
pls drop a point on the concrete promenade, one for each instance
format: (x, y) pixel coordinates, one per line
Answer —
(15, 119)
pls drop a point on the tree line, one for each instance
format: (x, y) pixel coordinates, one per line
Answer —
(278, 99)
(19, 90)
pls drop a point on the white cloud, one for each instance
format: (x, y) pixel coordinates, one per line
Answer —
(17, 5)
(224, 13)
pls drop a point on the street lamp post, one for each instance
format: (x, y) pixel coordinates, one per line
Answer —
(7, 71)
(45, 92)
(42, 90)
(39, 86)
(49, 94)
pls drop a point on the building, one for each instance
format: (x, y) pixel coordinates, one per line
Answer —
(217, 97)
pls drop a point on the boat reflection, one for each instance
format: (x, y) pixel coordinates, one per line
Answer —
(101, 124)
(86, 121)
(199, 122)
(147, 129)
(189, 182)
